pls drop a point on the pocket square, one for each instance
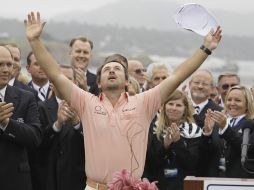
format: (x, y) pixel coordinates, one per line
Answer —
(20, 120)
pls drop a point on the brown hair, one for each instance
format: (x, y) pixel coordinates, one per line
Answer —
(164, 121)
(114, 58)
(81, 38)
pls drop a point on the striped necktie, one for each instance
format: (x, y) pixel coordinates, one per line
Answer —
(41, 94)
(232, 122)
(197, 109)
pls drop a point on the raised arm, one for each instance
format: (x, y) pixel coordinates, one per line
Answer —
(34, 27)
(184, 70)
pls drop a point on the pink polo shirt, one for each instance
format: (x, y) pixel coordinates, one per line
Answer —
(115, 137)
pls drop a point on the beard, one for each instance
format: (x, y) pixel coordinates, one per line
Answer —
(112, 87)
(199, 95)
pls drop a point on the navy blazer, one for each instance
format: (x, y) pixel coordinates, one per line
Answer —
(64, 161)
(30, 85)
(234, 137)
(211, 147)
(92, 83)
(20, 85)
(23, 131)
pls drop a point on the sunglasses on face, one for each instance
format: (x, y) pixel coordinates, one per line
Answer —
(227, 86)
(212, 95)
(159, 78)
(139, 71)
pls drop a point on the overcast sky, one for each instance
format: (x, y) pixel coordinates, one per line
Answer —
(19, 8)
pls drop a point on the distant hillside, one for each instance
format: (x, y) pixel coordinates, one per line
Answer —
(153, 14)
(129, 41)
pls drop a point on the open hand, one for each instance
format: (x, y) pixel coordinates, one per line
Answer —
(34, 26)
(212, 40)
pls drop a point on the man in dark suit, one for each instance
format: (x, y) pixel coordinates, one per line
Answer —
(15, 51)
(80, 56)
(39, 82)
(200, 85)
(60, 159)
(19, 128)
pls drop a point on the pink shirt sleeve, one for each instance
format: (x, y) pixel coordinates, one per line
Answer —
(79, 99)
(152, 101)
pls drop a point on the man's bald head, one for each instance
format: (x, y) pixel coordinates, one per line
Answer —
(6, 66)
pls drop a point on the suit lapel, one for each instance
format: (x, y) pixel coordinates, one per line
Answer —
(52, 107)
(11, 96)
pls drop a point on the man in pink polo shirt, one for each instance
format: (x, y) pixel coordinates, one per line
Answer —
(115, 124)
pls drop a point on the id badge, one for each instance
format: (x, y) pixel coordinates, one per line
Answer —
(170, 173)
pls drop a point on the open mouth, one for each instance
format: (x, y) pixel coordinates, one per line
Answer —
(111, 77)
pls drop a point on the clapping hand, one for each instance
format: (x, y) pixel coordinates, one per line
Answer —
(6, 111)
(80, 78)
(172, 135)
(209, 122)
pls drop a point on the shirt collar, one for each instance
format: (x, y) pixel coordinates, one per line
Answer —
(221, 103)
(44, 87)
(123, 94)
(201, 105)
(58, 100)
(238, 118)
(2, 92)
(11, 82)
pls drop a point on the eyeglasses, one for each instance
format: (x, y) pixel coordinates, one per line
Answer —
(213, 95)
(159, 78)
(197, 83)
(227, 86)
(139, 71)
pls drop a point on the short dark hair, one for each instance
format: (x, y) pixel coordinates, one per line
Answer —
(228, 74)
(117, 58)
(28, 58)
(81, 38)
(114, 58)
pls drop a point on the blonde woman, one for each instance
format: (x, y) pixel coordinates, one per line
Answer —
(238, 110)
(174, 149)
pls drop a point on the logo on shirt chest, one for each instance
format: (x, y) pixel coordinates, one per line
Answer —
(129, 109)
(99, 110)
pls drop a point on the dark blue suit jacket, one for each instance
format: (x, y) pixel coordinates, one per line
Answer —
(61, 153)
(91, 82)
(234, 138)
(211, 147)
(22, 132)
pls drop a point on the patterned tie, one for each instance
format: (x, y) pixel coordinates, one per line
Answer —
(197, 109)
(232, 122)
(41, 94)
